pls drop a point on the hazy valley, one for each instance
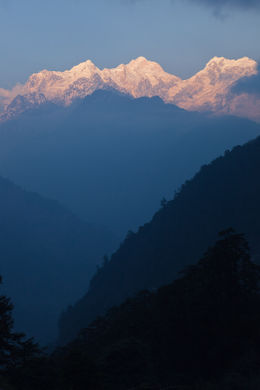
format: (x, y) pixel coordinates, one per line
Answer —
(123, 178)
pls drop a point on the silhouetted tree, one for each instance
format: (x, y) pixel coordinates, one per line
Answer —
(15, 350)
(163, 202)
(105, 260)
(215, 308)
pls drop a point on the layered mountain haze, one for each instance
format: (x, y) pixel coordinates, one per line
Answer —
(109, 150)
(208, 90)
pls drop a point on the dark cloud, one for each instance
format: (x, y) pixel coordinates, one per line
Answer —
(221, 4)
(249, 85)
(218, 6)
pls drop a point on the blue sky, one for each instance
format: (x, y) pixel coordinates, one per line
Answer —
(182, 35)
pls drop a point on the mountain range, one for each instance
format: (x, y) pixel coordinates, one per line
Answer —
(109, 150)
(109, 145)
(208, 90)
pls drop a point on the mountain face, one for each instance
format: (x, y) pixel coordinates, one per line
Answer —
(223, 194)
(109, 150)
(47, 258)
(208, 90)
(23, 103)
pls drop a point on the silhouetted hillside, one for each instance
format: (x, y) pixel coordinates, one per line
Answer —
(200, 332)
(223, 193)
(47, 256)
(111, 158)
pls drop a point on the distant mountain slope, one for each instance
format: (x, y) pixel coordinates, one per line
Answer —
(112, 158)
(208, 90)
(224, 193)
(47, 256)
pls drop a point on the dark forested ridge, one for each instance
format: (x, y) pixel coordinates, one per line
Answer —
(47, 256)
(111, 158)
(200, 332)
(223, 193)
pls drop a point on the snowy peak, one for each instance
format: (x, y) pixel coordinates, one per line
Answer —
(209, 89)
(141, 64)
(140, 60)
(87, 68)
(231, 70)
(228, 70)
(230, 63)
(148, 69)
(140, 77)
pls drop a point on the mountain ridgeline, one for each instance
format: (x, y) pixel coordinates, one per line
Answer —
(224, 193)
(47, 257)
(209, 89)
(111, 158)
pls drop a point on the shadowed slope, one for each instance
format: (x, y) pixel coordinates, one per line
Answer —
(224, 193)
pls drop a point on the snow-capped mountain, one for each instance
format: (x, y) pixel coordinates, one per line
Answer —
(208, 90)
